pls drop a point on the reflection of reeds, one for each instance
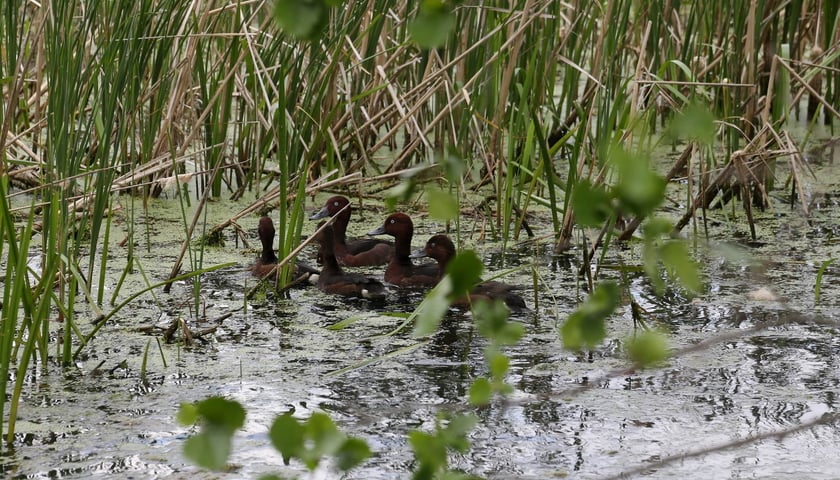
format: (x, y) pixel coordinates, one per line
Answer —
(138, 97)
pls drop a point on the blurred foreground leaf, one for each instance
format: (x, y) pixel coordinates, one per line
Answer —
(591, 203)
(465, 271)
(287, 436)
(639, 190)
(442, 205)
(220, 418)
(432, 309)
(669, 254)
(303, 19)
(586, 326)
(314, 439)
(453, 167)
(493, 322)
(481, 391)
(648, 348)
(431, 449)
(680, 266)
(694, 122)
(433, 24)
(399, 193)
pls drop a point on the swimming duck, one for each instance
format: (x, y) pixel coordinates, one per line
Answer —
(267, 262)
(441, 248)
(334, 280)
(356, 253)
(400, 270)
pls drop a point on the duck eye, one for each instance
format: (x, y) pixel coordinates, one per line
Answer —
(335, 204)
(393, 221)
(433, 245)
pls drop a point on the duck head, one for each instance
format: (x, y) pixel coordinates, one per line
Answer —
(333, 206)
(396, 225)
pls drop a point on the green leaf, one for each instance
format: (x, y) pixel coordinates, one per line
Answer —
(221, 412)
(492, 319)
(591, 203)
(650, 261)
(431, 450)
(586, 326)
(455, 434)
(465, 272)
(353, 452)
(342, 324)
(640, 190)
(220, 419)
(453, 167)
(432, 309)
(303, 19)
(672, 254)
(442, 205)
(431, 29)
(656, 227)
(648, 348)
(209, 449)
(428, 449)
(399, 193)
(499, 364)
(679, 263)
(425, 471)
(818, 283)
(287, 436)
(695, 122)
(511, 333)
(323, 432)
(480, 392)
(187, 414)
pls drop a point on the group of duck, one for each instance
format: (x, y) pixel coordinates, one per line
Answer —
(336, 251)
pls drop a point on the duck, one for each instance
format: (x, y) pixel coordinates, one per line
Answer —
(356, 253)
(400, 270)
(334, 280)
(265, 266)
(441, 248)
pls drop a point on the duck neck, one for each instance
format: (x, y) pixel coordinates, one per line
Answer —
(340, 227)
(267, 257)
(442, 263)
(328, 253)
(402, 248)
(330, 263)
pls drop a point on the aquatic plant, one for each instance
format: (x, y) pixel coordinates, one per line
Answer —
(307, 441)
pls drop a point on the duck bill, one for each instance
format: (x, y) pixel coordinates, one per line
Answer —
(378, 231)
(322, 213)
(419, 253)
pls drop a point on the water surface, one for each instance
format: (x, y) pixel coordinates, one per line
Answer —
(280, 354)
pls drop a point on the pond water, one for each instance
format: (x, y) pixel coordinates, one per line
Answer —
(280, 353)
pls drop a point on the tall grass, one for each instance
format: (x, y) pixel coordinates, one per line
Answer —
(103, 97)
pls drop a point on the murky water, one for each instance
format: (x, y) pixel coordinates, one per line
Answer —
(281, 354)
